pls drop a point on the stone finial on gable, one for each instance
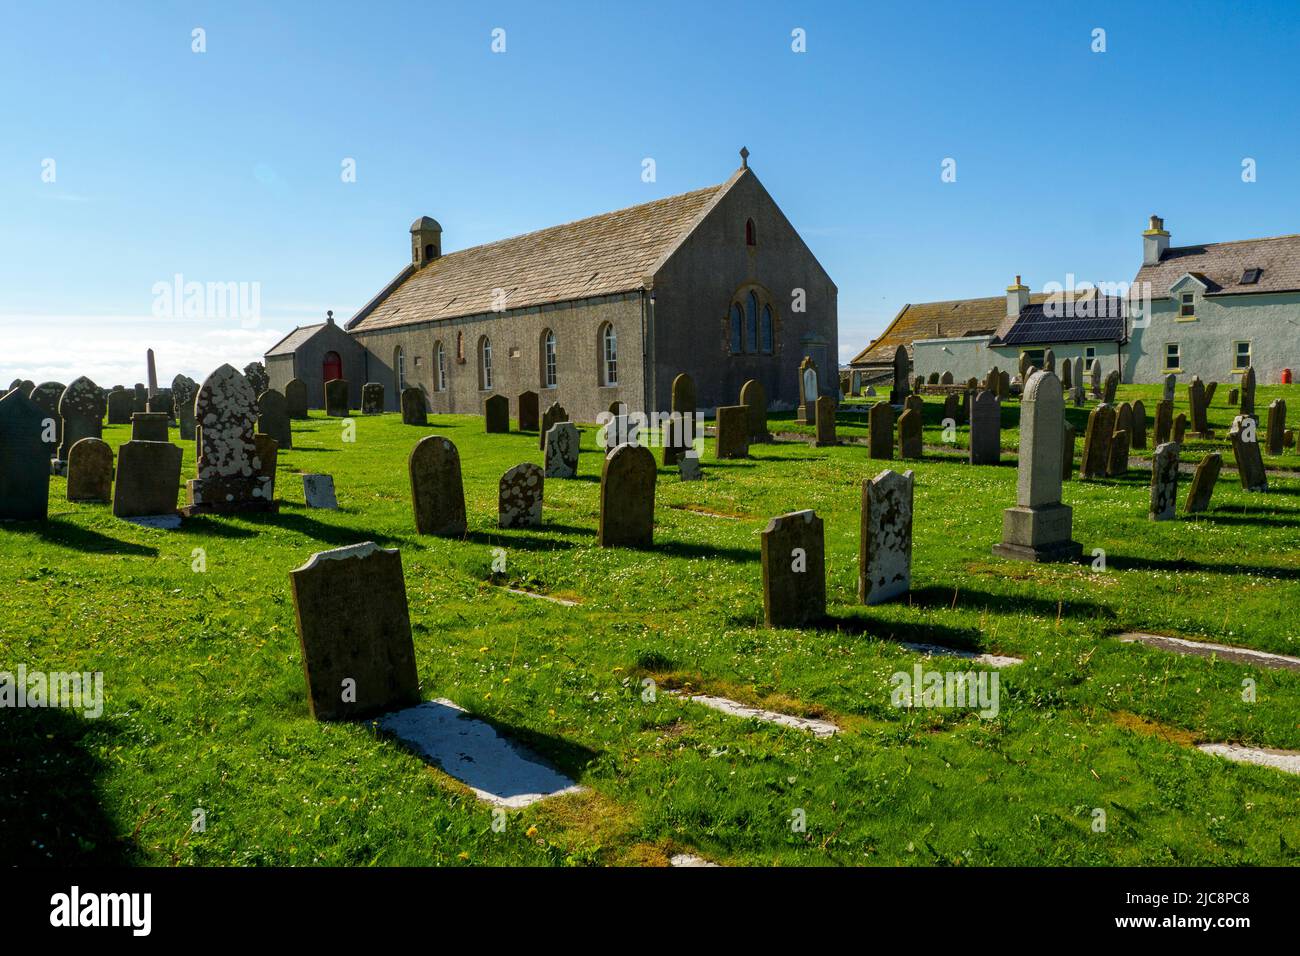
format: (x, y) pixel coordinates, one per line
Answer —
(744, 158)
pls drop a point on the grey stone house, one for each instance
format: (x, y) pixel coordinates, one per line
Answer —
(316, 354)
(1216, 308)
(716, 283)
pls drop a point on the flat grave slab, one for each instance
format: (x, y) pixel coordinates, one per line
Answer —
(1237, 655)
(542, 597)
(818, 728)
(1287, 761)
(988, 660)
(689, 859)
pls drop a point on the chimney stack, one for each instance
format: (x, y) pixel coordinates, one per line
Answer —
(1017, 298)
(1155, 240)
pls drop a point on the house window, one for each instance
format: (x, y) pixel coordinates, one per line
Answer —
(1251, 276)
(751, 323)
(1241, 356)
(751, 234)
(1089, 356)
(484, 363)
(1187, 306)
(766, 330)
(439, 367)
(549, 376)
(1173, 357)
(609, 355)
(399, 366)
(737, 327)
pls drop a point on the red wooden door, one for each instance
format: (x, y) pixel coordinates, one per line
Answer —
(333, 367)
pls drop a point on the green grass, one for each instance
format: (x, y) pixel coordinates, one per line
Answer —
(206, 699)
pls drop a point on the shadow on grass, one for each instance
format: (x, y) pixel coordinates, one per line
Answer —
(49, 800)
(78, 538)
(1120, 562)
(518, 538)
(933, 597)
(684, 549)
(1269, 521)
(319, 530)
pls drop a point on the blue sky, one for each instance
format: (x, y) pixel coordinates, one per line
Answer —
(225, 166)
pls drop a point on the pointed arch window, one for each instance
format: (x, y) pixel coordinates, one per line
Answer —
(439, 367)
(751, 322)
(751, 234)
(485, 364)
(765, 331)
(609, 355)
(399, 368)
(737, 329)
(549, 363)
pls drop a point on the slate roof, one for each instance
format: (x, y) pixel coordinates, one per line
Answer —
(601, 255)
(953, 318)
(295, 339)
(1221, 264)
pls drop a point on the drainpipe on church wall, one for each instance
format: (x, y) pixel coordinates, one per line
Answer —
(647, 345)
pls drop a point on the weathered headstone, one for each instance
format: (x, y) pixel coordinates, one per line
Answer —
(1170, 386)
(1248, 392)
(318, 492)
(90, 471)
(902, 364)
(1067, 375)
(1096, 442)
(1276, 426)
(985, 429)
(825, 412)
(372, 398)
(140, 401)
(1203, 482)
(256, 375)
(148, 477)
(910, 445)
(553, 415)
(1245, 449)
(1004, 386)
(794, 570)
(1049, 361)
(1039, 527)
(1210, 389)
(496, 415)
(336, 398)
(82, 409)
(46, 397)
(184, 391)
(161, 401)
(731, 422)
(1067, 452)
(437, 493)
(354, 630)
(295, 397)
(1196, 400)
(1124, 418)
(519, 497)
(809, 389)
(1112, 385)
(880, 421)
(952, 408)
(24, 459)
(229, 468)
(754, 397)
(1077, 396)
(1117, 464)
(627, 498)
(1164, 421)
(562, 447)
(1094, 375)
(529, 412)
(1164, 483)
(1138, 431)
(688, 467)
(149, 426)
(415, 410)
(885, 537)
(273, 418)
(1180, 428)
(1233, 396)
(268, 455)
(120, 406)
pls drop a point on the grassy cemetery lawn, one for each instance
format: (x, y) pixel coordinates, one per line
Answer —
(1091, 757)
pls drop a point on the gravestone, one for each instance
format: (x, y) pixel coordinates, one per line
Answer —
(437, 493)
(148, 477)
(1004, 386)
(149, 426)
(256, 375)
(553, 415)
(24, 459)
(268, 454)
(1138, 433)
(519, 497)
(731, 423)
(140, 399)
(1277, 426)
(1203, 482)
(1124, 418)
(683, 394)
(415, 411)
(1117, 464)
(916, 403)
(90, 471)
(1245, 449)
(901, 366)
(1196, 400)
(794, 570)
(1096, 442)
(1164, 421)
(562, 447)
(825, 410)
(1170, 386)
(1164, 483)
(1112, 385)
(754, 397)
(885, 537)
(1049, 361)
(809, 389)
(372, 399)
(82, 409)
(1233, 395)
(120, 406)
(1067, 374)
(880, 442)
(688, 467)
(1067, 452)
(1248, 392)
(273, 418)
(229, 468)
(677, 436)
(184, 391)
(627, 498)
(985, 429)
(1210, 389)
(318, 492)
(910, 445)
(496, 415)
(1076, 396)
(46, 397)
(163, 402)
(1180, 428)
(336, 398)
(529, 412)
(354, 631)
(1095, 378)
(952, 408)
(295, 397)
(1039, 527)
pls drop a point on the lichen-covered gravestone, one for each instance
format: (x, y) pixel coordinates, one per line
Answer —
(825, 414)
(184, 391)
(1164, 483)
(354, 630)
(372, 399)
(318, 492)
(148, 477)
(120, 405)
(553, 415)
(562, 448)
(295, 397)
(268, 454)
(1245, 449)
(1203, 481)
(910, 445)
(90, 472)
(1096, 442)
(496, 415)
(1170, 386)
(885, 537)
(880, 441)
(985, 429)
(230, 477)
(336, 398)
(273, 418)
(82, 409)
(1039, 527)
(46, 397)
(415, 411)
(1138, 431)
(1124, 418)
(528, 411)
(24, 459)
(437, 492)
(627, 498)
(258, 379)
(794, 570)
(519, 497)
(731, 422)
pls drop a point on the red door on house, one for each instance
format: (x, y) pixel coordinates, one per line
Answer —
(333, 367)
